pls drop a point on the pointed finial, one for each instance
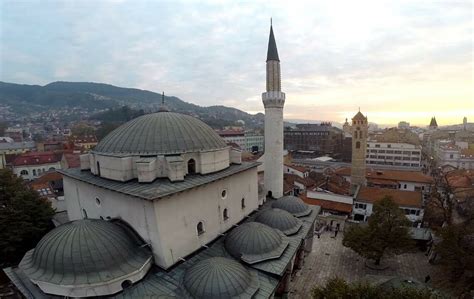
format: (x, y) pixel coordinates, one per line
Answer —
(163, 107)
(271, 24)
(359, 108)
(163, 99)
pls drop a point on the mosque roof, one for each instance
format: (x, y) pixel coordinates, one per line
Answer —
(220, 277)
(85, 252)
(158, 188)
(279, 219)
(253, 242)
(293, 205)
(272, 52)
(161, 133)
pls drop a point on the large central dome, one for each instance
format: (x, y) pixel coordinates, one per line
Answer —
(160, 134)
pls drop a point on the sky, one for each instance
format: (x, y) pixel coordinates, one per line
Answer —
(396, 60)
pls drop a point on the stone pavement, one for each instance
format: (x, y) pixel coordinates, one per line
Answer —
(330, 258)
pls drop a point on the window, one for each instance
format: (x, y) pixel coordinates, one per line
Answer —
(98, 168)
(51, 168)
(451, 156)
(224, 194)
(97, 201)
(191, 166)
(377, 145)
(389, 145)
(34, 172)
(24, 172)
(225, 215)
(126, 284)
(84, 213)
(242, 203)
(358, 144)
(362, 206)
(200, 228)
(404, 186)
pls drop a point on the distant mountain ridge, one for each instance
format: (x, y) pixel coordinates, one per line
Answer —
(88, 95)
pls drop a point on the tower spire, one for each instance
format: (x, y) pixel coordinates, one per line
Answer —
(163, 106)
(272, 52)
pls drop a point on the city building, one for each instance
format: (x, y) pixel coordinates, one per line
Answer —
(411, 202)
(32, 165)
(359, 147)
(316, 139)
(162, 207)
(247, 141)
(455, 154)
(401, 155)
(403, 125)
(10, 147)
(85, 142)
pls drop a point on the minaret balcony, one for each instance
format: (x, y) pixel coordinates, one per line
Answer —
(273, 99)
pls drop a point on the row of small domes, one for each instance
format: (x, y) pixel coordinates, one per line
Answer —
(111, 247)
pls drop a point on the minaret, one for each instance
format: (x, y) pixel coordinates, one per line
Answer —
(359, 150)
(273, 101)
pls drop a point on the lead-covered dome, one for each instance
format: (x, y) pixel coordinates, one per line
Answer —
(280, 219)
(220, 278)
(159, 134)
(254, 242)
(86, 256)
(293, 205)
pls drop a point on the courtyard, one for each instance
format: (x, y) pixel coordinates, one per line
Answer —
(330, 258)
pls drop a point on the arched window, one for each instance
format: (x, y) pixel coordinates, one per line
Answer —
(200, 228)
(191, 166)
(24, 172)
(242, 203)
(98, 168)
(34, 172)
(358, 144)
(51, 168)
(84, 213)
(225, 214)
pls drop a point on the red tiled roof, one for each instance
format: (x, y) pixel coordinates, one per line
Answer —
(299, 168)
(48, 177)
(401, 198)
(328, 204)
(73, 160)
(36, 158)
(292, 178)
(394, 175)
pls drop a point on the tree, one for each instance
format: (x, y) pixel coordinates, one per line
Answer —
(439, 208)
(386, 232)
(24, 218)
(337, 288)
(456, 249)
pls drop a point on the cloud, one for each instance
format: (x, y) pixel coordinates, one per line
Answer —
(335, 55)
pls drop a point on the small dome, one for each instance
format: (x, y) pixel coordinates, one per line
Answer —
(280, 219)
(159, 134)
(85, 252)
(254, 242)
(293, 205)
(220, 277)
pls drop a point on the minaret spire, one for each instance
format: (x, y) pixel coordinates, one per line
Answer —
(163, 106)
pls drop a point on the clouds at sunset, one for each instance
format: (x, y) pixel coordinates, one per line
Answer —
(397, 60)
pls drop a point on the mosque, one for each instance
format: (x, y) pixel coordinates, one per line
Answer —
(164, 208)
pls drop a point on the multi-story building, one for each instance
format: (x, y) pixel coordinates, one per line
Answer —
(401, 155)
(455, 154)
(321, 139)
(10, 147)
(403, 125)
(247, 141)
(411, 202)
(32, 165)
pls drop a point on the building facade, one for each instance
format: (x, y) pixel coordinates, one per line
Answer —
(321, 139)
(32, 165)
(400, 155)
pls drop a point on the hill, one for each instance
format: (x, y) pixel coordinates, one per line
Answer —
(98, 96)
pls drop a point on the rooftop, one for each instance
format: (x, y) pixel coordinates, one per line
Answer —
(158, 188)
(36, 158)
(401, 198)
(394, 175)
(328, 204)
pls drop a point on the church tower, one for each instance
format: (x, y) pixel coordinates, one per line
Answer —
(359, 149)
(273, 101)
